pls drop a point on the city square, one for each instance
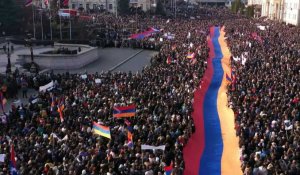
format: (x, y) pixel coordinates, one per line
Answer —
(149, 87)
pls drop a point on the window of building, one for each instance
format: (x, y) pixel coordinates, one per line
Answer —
(141, 5)
(94, 6)
(73, 6)
(87, 6)
(110, 6)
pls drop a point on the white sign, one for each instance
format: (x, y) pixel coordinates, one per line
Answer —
(2, 157)
(98, 81)
(46, 87)
(149, 147)
(84, 76)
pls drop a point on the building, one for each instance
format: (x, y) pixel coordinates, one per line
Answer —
(144, 4)
(257, 4)
(291, 13)
(110, 5)
(87, 5)
(287, 11)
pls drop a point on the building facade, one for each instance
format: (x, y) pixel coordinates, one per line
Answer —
(291, 14)
(109, 5)
(86, 5)
(144, 4)
(287, 11)
(257, 4)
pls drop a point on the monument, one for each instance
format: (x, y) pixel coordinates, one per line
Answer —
(63, 56)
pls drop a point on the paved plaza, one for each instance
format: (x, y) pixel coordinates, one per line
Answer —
(111, 59)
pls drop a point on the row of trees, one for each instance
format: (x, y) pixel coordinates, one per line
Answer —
(15, 19)
(10, 17)
(239, 7)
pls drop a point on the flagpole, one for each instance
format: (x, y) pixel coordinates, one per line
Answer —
(50, 19)
(70, 26)
(175, 9)
(60, 22)
(33, 21)
(42, 24)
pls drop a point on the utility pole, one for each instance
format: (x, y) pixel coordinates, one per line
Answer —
(70, 28)
(33, 21)
(42, 24)
(59, 21)
(116, 8)
(175, 8)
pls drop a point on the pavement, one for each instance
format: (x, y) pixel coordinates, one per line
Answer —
(110, 59)
(116, 59)
(18, 49)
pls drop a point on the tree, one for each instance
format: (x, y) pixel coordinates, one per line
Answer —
(160, 8)
(9, 17)
(235, 5)
(123, 6)
(250, 11)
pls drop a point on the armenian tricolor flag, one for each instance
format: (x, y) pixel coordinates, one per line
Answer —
(213, 148)
(144, 34)
(168, 169)
(13, 164)
(101, 130)
(124, 111)
(130, 139)
(60, 109)
(191, 55)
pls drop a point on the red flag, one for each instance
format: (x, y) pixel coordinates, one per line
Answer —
(169, 60)
(127, 122)
(46, 2)
(1, 101)
(66, 3)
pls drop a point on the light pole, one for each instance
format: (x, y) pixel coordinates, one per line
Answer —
(33, 68)
(8, 52)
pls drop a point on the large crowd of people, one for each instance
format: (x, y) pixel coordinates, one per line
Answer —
(264, 95)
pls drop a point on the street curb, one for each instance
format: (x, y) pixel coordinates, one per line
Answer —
(124, 61)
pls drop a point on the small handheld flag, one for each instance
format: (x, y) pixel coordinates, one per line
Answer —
(130, 139)
(190, 55)
(228, 78)
(13, 164)
(101, 130)
(168, 60)
(169, 169)
(60, 109)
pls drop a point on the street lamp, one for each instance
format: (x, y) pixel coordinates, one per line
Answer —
(33, 67)
(8, 51)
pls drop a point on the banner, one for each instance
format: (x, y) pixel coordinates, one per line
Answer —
(2, 157)
(149, 147)
(46, 87)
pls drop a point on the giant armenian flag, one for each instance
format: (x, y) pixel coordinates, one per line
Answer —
(213, 148)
